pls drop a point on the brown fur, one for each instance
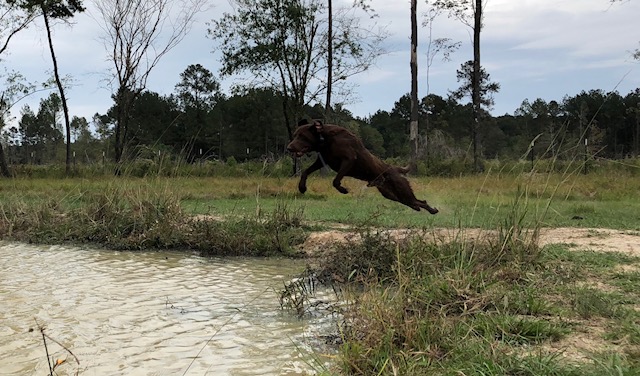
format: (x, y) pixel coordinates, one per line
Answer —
(344, 153)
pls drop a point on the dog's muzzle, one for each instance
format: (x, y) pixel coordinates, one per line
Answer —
(297, 153)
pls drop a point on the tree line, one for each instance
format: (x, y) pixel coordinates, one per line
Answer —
(199, 122)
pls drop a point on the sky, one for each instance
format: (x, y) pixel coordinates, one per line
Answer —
(544, 49)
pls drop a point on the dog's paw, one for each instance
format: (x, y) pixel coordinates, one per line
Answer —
(342, 190)
(302, 188)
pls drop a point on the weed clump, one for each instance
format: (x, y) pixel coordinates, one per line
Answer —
(277, 233)
(432, 303)
(136, 219)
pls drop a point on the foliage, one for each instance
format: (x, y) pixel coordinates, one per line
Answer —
(13, 19)
(64, 10)
(198, 123)
(61, 9)
(198, 89)
(282, 43)
(249, 126)
(487, 88)
(41, 134)
(462, 10)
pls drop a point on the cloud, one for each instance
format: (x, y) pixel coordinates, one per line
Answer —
(533, 48)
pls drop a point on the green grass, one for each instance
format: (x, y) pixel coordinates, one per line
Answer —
(465, 201)
(601, 199)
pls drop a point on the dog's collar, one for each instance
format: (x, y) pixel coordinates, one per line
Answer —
(321, 143)
(320, 140)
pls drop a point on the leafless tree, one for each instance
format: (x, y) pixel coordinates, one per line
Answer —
(435, 47)
(13, 19)
(413, 127)
(137, 34)
(364, 5)
(327, 106)
(469, 12)
(636, 53)
(477, 25)
(62, 11)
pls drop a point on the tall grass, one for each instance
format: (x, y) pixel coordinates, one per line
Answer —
(479, 297)
(143, 217)
(433, 303)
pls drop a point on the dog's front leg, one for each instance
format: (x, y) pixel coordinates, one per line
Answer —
(345, 167)
(302, 185)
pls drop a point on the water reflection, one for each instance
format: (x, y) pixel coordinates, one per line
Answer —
(148, 313)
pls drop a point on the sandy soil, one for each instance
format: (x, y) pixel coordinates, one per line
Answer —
(596, 239)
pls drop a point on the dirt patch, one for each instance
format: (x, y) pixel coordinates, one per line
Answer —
(586, 341)
(596, 239)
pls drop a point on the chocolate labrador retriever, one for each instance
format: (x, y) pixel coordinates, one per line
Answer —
(344, 153)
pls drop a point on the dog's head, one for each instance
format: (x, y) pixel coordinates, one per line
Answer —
(307, 137)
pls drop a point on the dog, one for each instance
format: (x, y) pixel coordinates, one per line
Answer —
(343, 151)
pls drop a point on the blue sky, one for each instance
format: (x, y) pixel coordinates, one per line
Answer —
(533, 48)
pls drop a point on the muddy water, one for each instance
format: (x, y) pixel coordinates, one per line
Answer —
(147, 313)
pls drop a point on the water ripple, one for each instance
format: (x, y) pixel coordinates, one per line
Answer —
(147, 313)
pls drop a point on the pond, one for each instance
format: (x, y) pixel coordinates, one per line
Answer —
(149, 313)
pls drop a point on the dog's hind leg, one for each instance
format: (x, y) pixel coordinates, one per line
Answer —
(391, 195)
(345, 166)
(402, 189)
(425, 205)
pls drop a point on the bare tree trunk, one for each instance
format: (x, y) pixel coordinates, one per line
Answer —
(476, 82)
(327, 106)
(125, 100)
(287, 121)
(63, 98)
(117, 144)
(637, 138)
(413, 128)
(121, 116)
(4, 166)
(636, 146)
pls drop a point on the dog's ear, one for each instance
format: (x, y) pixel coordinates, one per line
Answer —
(302, 122)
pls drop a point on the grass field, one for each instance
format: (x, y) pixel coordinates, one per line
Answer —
(604, 199)
(506, 305)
